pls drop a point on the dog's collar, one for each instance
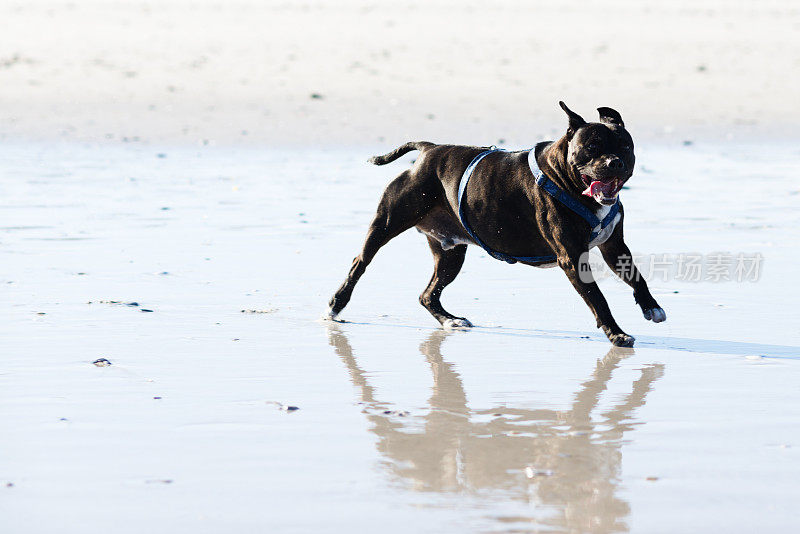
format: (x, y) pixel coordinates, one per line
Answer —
(569, 201)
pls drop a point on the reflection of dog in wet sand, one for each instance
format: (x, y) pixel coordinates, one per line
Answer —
(542, 207)
(576, 459)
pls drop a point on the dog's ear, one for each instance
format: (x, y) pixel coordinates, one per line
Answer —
(575, 120)
(611, 117)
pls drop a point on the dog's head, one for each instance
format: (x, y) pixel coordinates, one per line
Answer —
(599, 155)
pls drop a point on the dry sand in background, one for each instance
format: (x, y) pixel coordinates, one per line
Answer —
(466, 71)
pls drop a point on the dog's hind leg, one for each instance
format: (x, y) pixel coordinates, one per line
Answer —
(405, 201)
(446, 266)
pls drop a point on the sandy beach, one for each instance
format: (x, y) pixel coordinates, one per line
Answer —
(360, 72)
(177, 201)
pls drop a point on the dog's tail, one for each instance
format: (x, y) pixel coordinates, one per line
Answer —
(399, 151)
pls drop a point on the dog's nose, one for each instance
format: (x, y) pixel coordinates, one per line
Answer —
(615, 164)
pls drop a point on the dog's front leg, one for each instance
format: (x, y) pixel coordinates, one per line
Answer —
(579, 272)
(618, 256)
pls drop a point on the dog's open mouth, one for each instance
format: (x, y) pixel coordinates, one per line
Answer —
(603, 191)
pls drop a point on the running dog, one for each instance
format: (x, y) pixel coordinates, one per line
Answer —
(542, 207)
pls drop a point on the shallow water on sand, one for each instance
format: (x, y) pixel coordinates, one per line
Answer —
(529, 422)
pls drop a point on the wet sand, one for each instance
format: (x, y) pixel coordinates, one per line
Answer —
(529, 422)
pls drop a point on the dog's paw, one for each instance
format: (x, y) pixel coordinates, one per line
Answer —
(621, 340)
(458, 322)
(330, 315)
(657, 315)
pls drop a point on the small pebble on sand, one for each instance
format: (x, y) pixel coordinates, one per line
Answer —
(101, 362)
(532, 472)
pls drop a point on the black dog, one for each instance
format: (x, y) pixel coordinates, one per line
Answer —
(540, 207)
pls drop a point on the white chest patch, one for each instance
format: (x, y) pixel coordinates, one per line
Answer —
(606, 232)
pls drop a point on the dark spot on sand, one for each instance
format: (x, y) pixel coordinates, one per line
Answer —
(395, 412)
(316, 96)
(101, 362)
(156, 398)
(161, 155)
(145, 310)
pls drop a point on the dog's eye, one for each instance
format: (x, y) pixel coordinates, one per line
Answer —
(592, 147)
(626, 148)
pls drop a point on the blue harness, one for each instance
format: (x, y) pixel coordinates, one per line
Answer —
(552, 189)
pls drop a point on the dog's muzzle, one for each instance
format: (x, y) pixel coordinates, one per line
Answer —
(603, 191)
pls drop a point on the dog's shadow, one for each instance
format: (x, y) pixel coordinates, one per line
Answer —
(565, 461)
(684, 344)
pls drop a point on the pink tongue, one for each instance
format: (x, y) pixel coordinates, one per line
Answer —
(594, 187)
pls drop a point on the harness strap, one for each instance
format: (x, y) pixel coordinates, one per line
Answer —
(569, 201)
(547, 185)
(495, 254)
